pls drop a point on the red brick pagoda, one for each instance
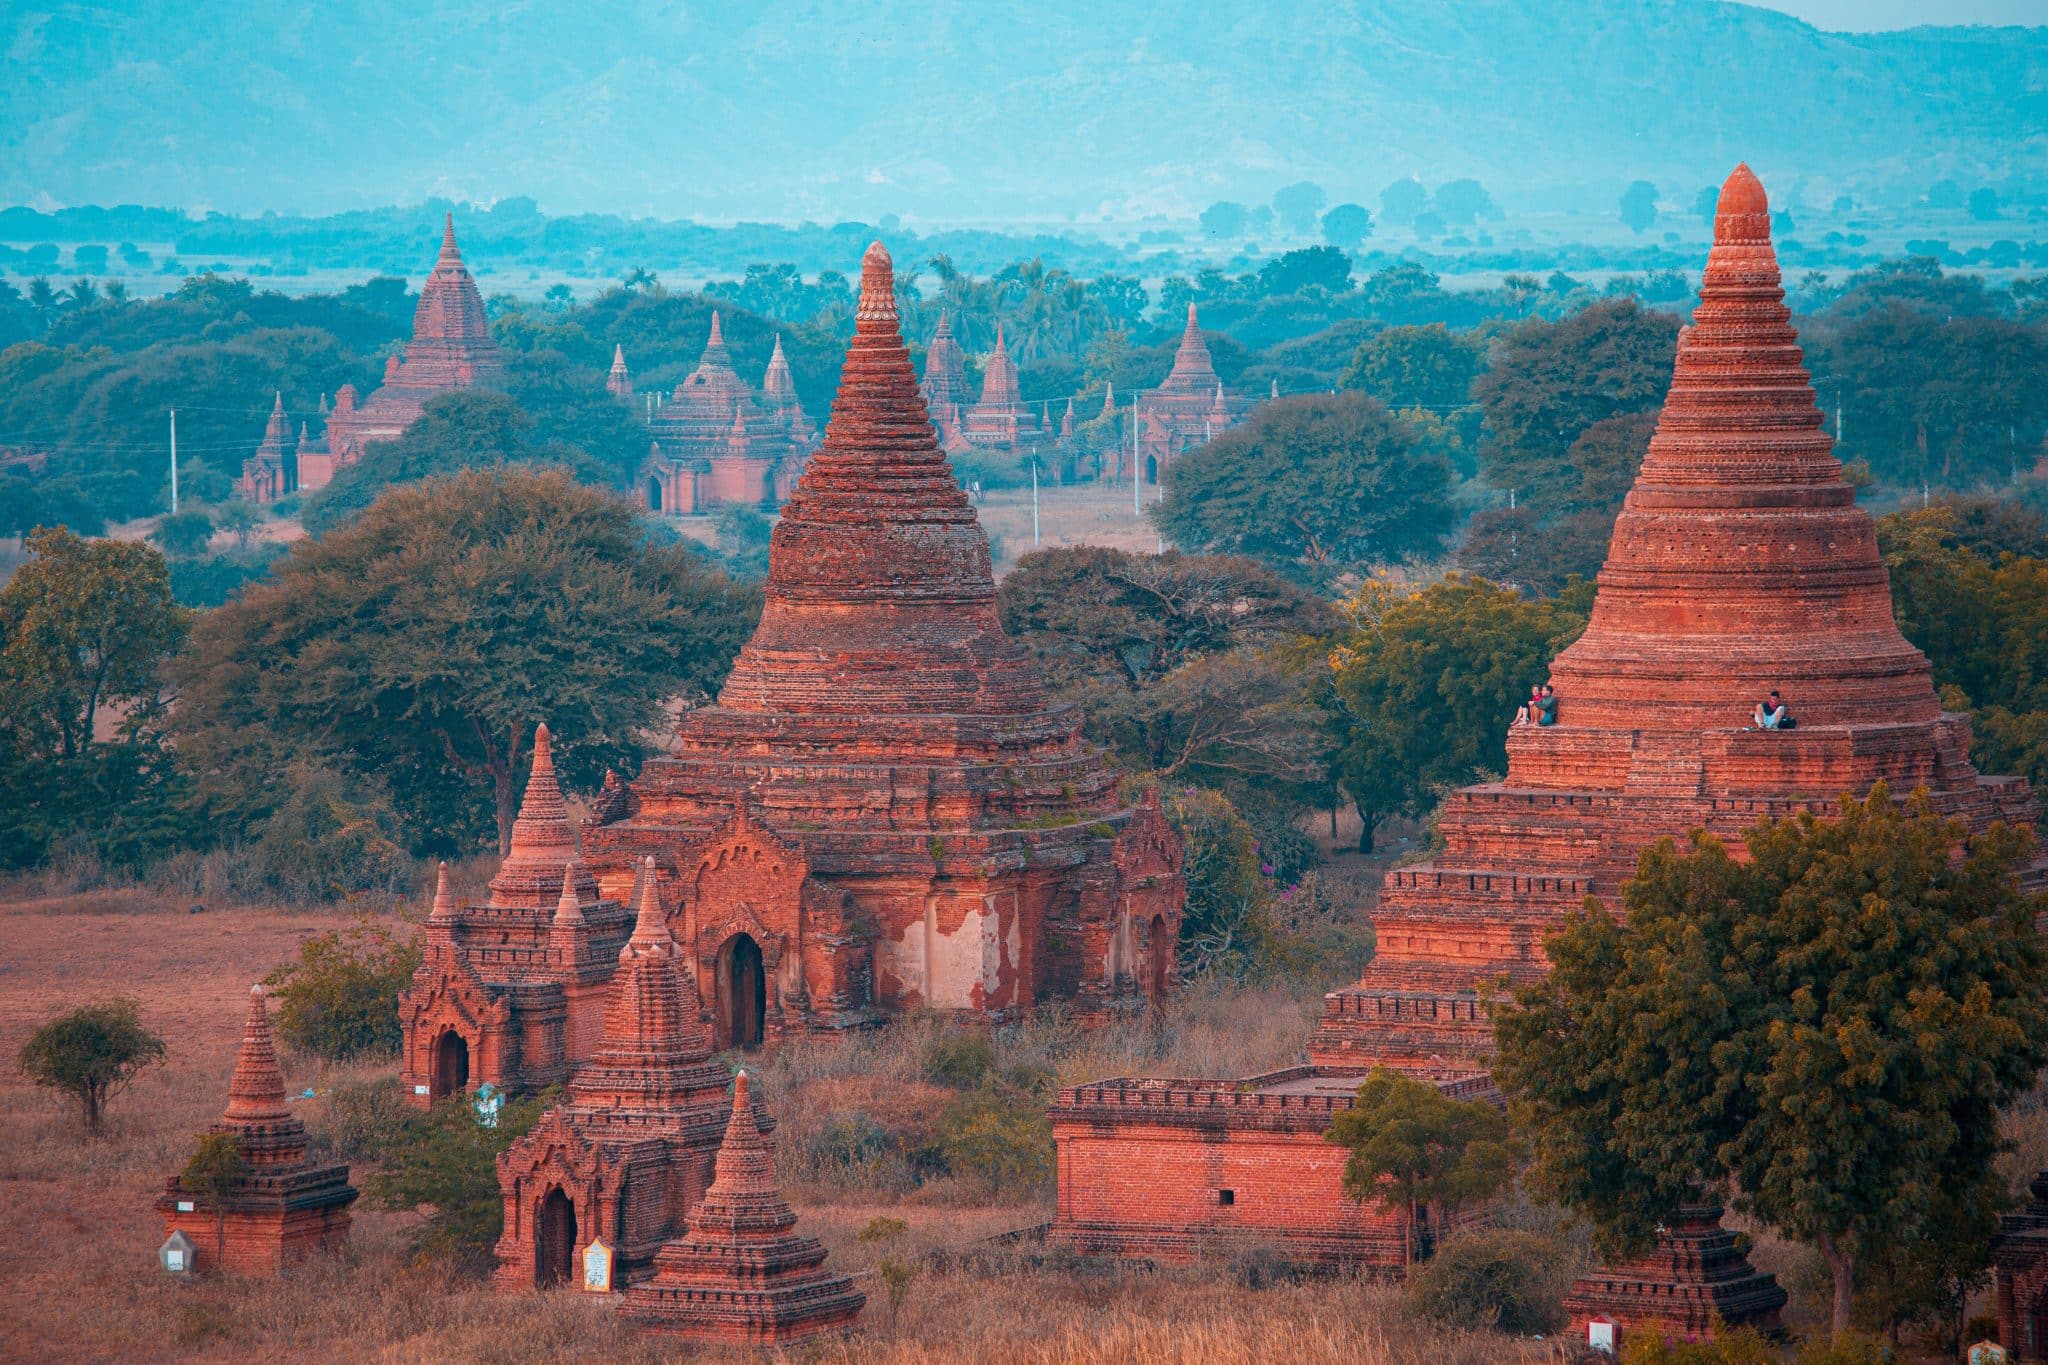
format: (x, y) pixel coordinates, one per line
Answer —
(944, 387)
(283, 1206)
(273, 471)
(742, 1273)
(1000, 420)
(629, 1151)
(1740, 564)
(513, 991)
(619, 383)
(716, 442)
(1188, 409)
(1694, 1279)
(884, 810)
(451, 348)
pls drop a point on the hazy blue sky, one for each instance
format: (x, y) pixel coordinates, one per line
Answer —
(1858, 16)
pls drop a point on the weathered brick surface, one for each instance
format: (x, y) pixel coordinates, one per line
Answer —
(716, 442)
(2019, 1261)
(944, 386)
(742, 1273)
(451, 348)
(633, 1142)
(283, 1206)
(1168, 1170)
(1740, 563)
(998, 420)
(1694, 1282)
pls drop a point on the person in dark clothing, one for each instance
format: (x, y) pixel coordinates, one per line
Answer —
(1771, 713)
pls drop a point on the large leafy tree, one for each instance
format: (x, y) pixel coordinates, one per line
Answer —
(423, 642)
(1827, 1030)
(1424, 684)
(1313, 486)
(1428, 367)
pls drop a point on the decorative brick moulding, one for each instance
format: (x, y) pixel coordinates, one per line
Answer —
(742, 1273)
(1740, 563)
(283, 1206)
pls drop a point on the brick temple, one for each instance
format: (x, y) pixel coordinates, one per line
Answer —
(284, 1205)
(1187, 409)
(742, 1273)
(1740, 563)
(451, 348)
(618, 382)
(717, 442)
(629, 1151)
(999, 419)
(273, 471)
(884, 810)
(1694, 1278)
(514, 991)
(944, 387)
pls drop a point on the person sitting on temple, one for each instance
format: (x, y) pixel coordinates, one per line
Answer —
(1546, 705)
(1526, 712)
(1772, 715)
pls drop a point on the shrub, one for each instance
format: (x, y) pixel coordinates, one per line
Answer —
(997, 1137)
(1508, 1281)
(92, 1054)
(849, 1140)
(327, 840)
(450, 1165)
(340, 999)
(211, 1172)
(1228, 920)
(364, 1121)
(959, 1059)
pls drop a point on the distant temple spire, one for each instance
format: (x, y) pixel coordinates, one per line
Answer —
(619, 383)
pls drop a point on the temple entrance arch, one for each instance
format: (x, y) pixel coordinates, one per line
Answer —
(554, 1242)
(1151, 469)
(451, 1066)
(654, 495)
(1156, 960)
(742, 993)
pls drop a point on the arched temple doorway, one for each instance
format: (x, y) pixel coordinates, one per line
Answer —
(1151, 469)
(1156, 960)
(742, 993)
(451, 1066)
(654, 495)
(554, 1242)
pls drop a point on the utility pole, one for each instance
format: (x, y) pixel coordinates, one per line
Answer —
(1137, 475)
(174, 462)
(1034, 500)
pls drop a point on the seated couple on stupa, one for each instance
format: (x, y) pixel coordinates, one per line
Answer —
(1540, 709)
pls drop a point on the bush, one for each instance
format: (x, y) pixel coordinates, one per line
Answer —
(997, 1137)
(850, 1140)
(1508, 1281)
(92, 1054)
(340, 999)
(1228, 919)
(450, 1165)
(364, 1121)
(328, 840)
(959, 1059)
(1745, 1347)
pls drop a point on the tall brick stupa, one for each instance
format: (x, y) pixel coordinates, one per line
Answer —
(1740, 564)
(283, 1205)
(884, 810)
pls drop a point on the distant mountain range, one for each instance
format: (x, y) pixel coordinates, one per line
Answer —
(987, 110)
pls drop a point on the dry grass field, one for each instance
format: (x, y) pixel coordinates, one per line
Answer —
(78, 1278)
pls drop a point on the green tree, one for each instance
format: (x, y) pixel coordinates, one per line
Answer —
(1463, 202)
(1415, 1147)
(1424, 684)
(1227, 923)
(422, 642)
(184, 534)
(211, 1173)
(92, 1054)
(1297, 205)
(84, 625)
(1347, 226)
(1548, 383)
(1427, 367)
(1313, 486)
(340, 999)
(1639, 206)
(896, 1272)
(1310, 267)
(1827, 1030)
(1401, 201)
(1225, 220)
(239, 519)
(449, 1166)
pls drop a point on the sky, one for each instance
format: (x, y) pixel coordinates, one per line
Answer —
(1869, 16)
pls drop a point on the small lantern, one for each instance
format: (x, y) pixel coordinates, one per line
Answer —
(1602, 1333)
(597, 1266)
(176, 1254)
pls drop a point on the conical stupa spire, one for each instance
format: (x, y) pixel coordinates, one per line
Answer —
(1740, 554)
(444, 899)
(778, 384)
(650, 927)
(542, 833)
(256, 1094)
(743, 1202)
(1193, 372)
(451, 254)
(619, 383)
(569, 909)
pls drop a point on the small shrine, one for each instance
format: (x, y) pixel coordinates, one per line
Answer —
(281, 1206)
(1695, 1281)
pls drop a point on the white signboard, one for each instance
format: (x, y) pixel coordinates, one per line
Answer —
(597, 1267)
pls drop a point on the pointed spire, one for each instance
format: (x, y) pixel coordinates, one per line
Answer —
(717, 332)
(619, 383)
(542, 833)
(569, 909)
(450, 253)
(256, 1094)
(650, 927)
(444, 899)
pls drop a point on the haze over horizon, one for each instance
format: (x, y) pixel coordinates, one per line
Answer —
(1050, 111)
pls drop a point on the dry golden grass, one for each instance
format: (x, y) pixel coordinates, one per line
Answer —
(78, 1280)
